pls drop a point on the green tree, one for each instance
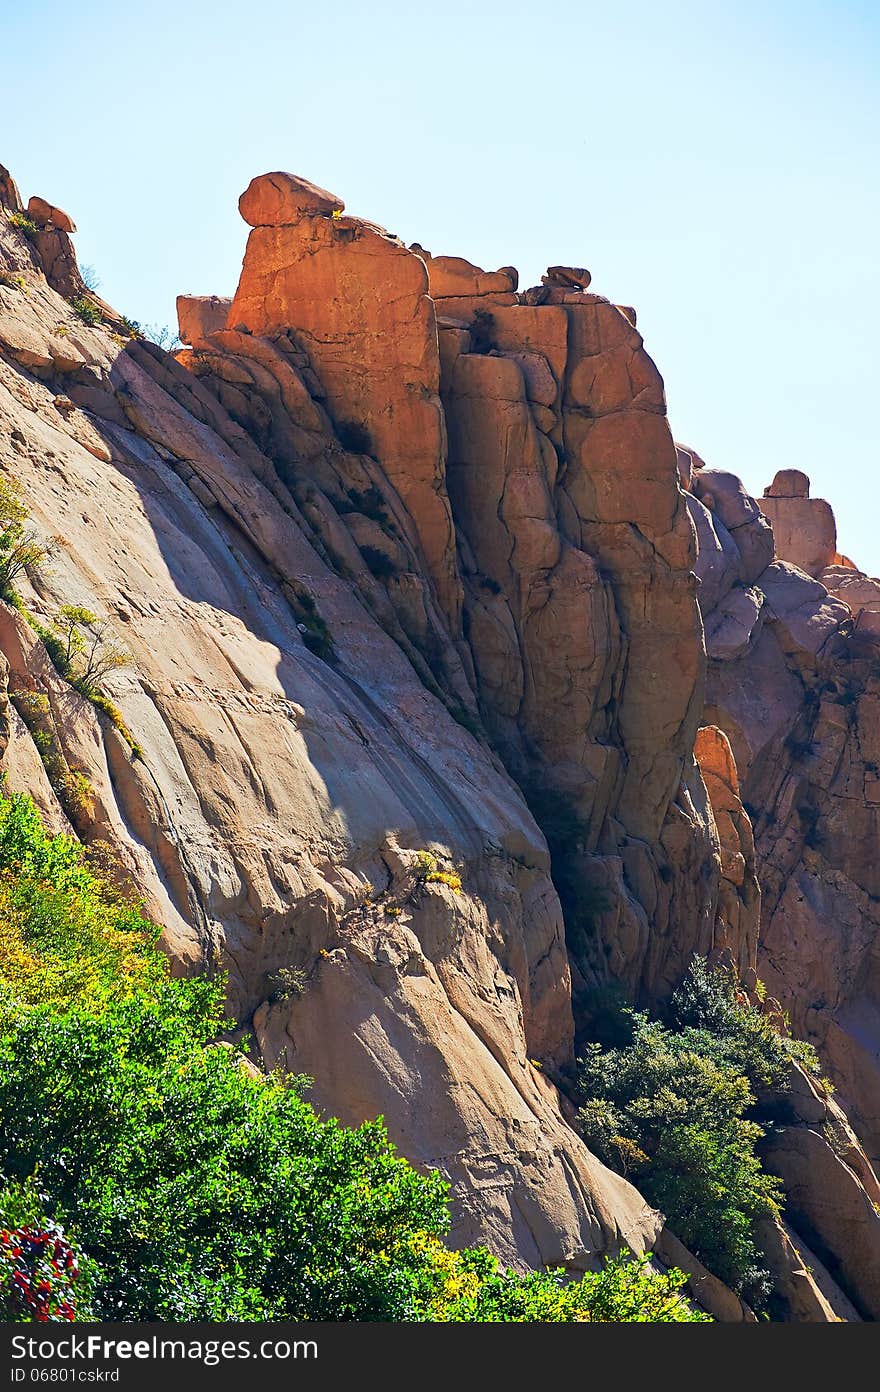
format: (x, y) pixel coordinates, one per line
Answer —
(20, 546)
(671, 1108)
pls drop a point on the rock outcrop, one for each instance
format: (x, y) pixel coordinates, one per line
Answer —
(461, 694)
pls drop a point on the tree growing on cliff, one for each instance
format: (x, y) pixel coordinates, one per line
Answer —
(20, 546)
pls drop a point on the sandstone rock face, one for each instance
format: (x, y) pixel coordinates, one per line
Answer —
(358, 299)
(294, 764)
(799, 701)
(577, 591)
(9, 194)
(408, 561)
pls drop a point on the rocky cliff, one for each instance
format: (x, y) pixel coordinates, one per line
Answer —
(459, 694)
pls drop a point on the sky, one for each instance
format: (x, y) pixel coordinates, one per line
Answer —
(714, 165)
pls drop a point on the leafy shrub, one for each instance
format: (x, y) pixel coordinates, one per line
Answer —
(482, 331)
(311, 626)
(85, 310)
(473, 1288)
(673, 1107)
(82, 651)
(710, 1003)
(193, 1189)
(24, 224)
(368, 501)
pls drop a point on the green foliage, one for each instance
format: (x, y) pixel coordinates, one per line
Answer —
(85, 309)
(88, 653)
(311, 626)
(429, 870)
(482, 332)
(72, 785)
(368, 501)
(20, 547)
(195, 1190)
(83, 652)
(716, 1013)
(470, 1287)
(24, 224)
(673, 1107)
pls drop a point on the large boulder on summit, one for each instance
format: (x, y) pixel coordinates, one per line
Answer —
(271, 200)
(569, 277)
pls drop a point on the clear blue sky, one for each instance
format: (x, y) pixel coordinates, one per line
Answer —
(716, 165)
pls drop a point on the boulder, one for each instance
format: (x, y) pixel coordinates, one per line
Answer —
(200, 315)
(454, 277)
(45, 215)
(271, 200)
(569, 277)
(788, 483)
(360, 299)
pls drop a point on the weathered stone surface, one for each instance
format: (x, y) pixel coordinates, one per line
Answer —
(805, 614)
(452, 276)
(275, 784)
(358, 298)
(788, 483)
(9, 194)
(826, 1196)
(804, 530)
(271, 200)
(855, 589)
(738, 912)
(569, 277)
(200, 315)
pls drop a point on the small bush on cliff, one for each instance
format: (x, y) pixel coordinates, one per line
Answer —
(85, 310)
(181, 1186)
(24, 224)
